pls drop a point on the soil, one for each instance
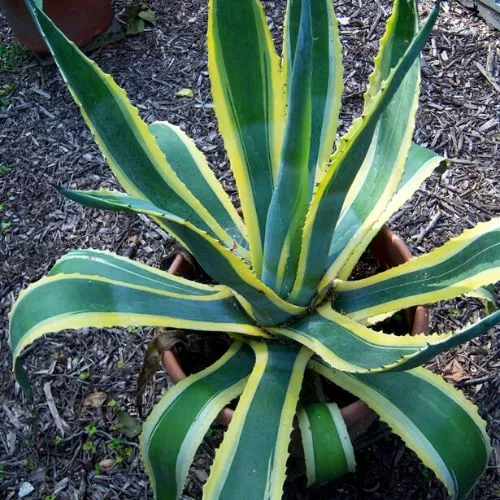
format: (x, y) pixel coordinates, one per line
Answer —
(44, 143)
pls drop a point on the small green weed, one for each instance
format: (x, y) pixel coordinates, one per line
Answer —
(90, 447)
(5, 91)
(11, 56)
(58, 441)
(3, 168)
(133, 330)
(90, 429)
(115, 443)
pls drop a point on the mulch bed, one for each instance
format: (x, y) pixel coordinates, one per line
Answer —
(44, 143)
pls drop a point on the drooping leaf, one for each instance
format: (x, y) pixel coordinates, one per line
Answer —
(98, 289)
(328, 451)
(259, 301)
(422, 409)
(460, 266)
(176, 426)
(162, 341)
(252, 457)
(123, 138)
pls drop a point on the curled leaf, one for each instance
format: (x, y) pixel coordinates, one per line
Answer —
(164, 340)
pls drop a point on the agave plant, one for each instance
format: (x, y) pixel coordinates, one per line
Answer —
(284, 297)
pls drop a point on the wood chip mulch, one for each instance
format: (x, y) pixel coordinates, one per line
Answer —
(69, 444)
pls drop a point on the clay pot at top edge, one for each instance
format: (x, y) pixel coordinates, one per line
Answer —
(389, 251)
(80, 20)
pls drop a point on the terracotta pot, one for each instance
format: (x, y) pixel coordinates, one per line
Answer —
(80, 20)
(389, 251)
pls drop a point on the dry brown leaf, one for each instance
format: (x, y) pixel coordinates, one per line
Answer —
(95, 399)
(454, 372)
(165, 339)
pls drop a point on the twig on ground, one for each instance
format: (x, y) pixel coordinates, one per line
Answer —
(60, 424)
(474, 381)
(427, 229)
(488, 77)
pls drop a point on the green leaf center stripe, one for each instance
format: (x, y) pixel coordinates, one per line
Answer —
(328, 450)
(73, 301)
(421, 408)
(391, 142)
(349, 346)
(176, 426)
(326, 86)
(218, 261)
(192, 168)
(124, 139)
(121, 269)
(293, 187)
(252, 457)
(249, 105)
(461, 265)
(330, 194)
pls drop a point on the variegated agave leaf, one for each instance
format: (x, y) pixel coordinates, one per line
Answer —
(283, 294)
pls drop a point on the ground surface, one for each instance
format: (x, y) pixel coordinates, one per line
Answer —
(43, 143)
